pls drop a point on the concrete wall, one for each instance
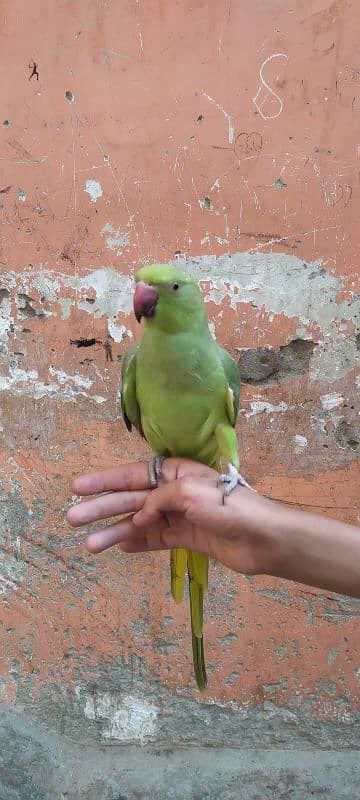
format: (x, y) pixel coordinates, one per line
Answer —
(225, 135)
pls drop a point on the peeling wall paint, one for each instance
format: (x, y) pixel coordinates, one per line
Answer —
(300, 442)
(93, 188)
(224, 140)
(331, 400)
(114, 238)
(12, 572)
(281, 284)
(27, 383)
(126, 719)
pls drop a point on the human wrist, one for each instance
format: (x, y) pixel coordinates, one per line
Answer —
(261, 522)
(290, 543)
(273, 540)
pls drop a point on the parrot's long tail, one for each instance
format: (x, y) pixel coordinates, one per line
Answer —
(197, 566)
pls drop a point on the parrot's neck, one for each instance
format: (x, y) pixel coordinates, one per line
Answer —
(160, 349)
(198, 328)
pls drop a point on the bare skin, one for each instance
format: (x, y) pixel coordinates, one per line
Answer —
(249, 533)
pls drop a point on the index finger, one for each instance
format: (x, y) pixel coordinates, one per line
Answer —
(135, 476)
(125, 477)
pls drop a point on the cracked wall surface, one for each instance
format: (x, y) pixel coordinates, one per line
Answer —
(224, 138)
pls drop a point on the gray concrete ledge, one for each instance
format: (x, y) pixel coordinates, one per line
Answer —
(38, 765)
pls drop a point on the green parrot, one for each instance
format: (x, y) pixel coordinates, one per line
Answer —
(180, 390)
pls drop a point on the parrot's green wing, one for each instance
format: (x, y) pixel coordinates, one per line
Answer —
(233, 389)
(129, 404)
(225, 432)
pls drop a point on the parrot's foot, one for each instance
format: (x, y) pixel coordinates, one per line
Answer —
(155, 470)
(233, 479)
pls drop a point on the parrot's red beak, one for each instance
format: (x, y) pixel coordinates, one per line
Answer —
(145, 299)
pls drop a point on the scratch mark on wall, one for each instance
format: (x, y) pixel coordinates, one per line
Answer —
(228, 117)
(27, 162)
(131, 215)
(180, 161)
(266, 90)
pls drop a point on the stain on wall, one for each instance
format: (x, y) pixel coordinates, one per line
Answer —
(224, 137)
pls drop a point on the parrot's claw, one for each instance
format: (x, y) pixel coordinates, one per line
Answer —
(155, 470)
(232, 479)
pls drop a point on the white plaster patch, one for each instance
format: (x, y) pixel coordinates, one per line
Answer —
(78, 380)
(278, 283)
(318, 423)
(22, 383)
(48, 284)
(300, 443)
(332, 654)
(113, 291)
(66, 304)
(126, 719)
(115, 240)
(6, 321)
(261, 406)
(331, 400)
(212, 328)
(94, 189)
(17, 375)
(12, 573)
(117, 332)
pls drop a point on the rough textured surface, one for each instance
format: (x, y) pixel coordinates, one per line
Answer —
(224, 136)
(37, 766)
(265, 365)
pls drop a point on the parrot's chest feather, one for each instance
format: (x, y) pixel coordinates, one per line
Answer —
(180, 398)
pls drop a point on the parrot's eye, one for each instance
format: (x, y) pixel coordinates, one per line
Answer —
(175, 287)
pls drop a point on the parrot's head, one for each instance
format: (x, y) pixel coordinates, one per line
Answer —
(168, 298)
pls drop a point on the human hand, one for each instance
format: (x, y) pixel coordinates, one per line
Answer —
(186, 510)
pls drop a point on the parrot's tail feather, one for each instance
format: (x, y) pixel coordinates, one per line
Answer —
(199, 662)
(196, 595)
(197, 565)
(198, 572)
(178, 563)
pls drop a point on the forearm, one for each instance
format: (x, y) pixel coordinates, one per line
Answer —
(315, 550)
